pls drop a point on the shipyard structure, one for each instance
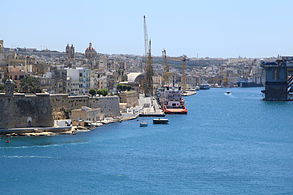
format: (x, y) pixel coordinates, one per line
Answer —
(279, 79)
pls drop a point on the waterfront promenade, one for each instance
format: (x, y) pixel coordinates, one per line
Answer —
(149, 107)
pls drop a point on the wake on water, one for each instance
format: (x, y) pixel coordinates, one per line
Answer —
(7, 146)
(5, 156)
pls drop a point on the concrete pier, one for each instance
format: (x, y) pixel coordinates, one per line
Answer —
(149, 107)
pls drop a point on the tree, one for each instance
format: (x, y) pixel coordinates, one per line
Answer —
(30, 85)
(4, 79)
(123, 87)
(93, 92)
(102, 92)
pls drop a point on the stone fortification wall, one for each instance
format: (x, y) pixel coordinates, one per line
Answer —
(25, 111)
(40, 110)
(109, 105)
(63, 104)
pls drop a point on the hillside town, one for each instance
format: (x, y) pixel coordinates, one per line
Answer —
(95, 88)
(76, 73)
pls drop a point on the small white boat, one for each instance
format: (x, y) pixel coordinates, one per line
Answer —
(143, 124)
(228, 93)
(188, 93)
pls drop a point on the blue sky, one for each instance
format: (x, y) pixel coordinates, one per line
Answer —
(214, 28)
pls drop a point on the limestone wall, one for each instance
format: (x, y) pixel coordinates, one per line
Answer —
(42, 109)
(109, 105)
(130, 98)
(25, 111)
(63, 104)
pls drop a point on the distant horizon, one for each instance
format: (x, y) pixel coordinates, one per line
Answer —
(225, 29)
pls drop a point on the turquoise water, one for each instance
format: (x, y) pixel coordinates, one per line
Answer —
(233, 144)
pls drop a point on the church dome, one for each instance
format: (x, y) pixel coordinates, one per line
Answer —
(90, 52)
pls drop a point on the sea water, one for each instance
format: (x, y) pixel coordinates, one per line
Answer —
(226, 144)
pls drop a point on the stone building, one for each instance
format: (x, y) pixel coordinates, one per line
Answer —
(87, 114)
(130, 98)
(17, 72)
(70, 51)
(1, 46)
(103, 63)
(1, 52)
(90, 52)
(98, 80)
(78, 81)
(54, 82)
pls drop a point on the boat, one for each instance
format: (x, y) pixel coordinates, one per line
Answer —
(246, 84)
(175, 110)
(171, 100)
(143, 124)
(228, 93)
(204, 87)
(160, 121)
(189, 93)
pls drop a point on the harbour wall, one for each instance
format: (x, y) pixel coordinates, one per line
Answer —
(62, 105)
(25, 111)
(40, 110)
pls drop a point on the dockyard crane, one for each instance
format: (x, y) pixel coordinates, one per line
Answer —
(146, 40)
(149, 73)
(166, 74)
(183, 79)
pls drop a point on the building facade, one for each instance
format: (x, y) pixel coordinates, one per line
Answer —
(70, 51)
(78, 81)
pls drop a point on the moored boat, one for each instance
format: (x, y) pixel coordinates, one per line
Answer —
(171, 100)
(143, 124)
(204, 87)
(182, 110)
(160, 121)
(189, 93)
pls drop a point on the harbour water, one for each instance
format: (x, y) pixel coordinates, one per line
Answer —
(227, 144)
